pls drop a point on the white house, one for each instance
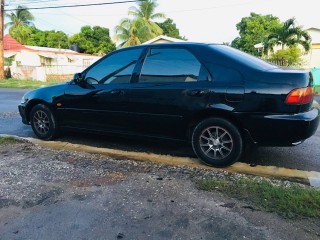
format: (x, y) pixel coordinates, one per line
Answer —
(312, 59)
(163, 39)
(43, 63)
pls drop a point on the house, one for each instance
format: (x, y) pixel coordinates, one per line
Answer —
(163, 39)
(43, 63)
(312, 59)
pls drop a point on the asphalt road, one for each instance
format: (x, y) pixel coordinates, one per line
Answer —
(305, 156)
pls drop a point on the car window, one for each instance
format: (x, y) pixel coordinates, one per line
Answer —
(115, 69)
(172, 65)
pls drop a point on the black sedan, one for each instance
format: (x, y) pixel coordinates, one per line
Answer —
(219, 98)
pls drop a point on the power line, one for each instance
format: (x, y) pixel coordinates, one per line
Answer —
(77, 5)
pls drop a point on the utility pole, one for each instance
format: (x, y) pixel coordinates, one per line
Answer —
(2, 77)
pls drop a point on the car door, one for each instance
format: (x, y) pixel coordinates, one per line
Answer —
(100, 100)
(173, 85)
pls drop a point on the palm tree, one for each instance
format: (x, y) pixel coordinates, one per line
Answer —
(126, 33)
(288, 35)
(145, 13)
(21, 17)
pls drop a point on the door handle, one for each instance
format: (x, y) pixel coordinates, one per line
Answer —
(117, 92)
(195, 93)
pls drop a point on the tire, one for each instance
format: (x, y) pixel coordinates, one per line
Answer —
(217, 142)
(43, 122)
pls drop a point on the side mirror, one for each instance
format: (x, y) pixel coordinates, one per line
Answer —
(77, 78)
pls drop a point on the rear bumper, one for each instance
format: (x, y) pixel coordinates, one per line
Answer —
(22, 111)
(281, 130)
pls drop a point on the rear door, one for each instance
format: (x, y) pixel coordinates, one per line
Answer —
(172, 86)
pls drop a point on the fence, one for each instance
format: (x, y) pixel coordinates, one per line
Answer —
(316, 76)
(45, 73)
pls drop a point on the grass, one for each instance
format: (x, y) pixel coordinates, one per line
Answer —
(317, 90)
(294, 201)
(6, 140)
(25, 84)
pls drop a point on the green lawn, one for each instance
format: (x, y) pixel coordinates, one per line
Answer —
(16, 83)
(6, 140)
(294, 201)
(317, 90)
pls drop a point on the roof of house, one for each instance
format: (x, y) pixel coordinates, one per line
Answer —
(11, 44)
(165, 38)
(51, 50)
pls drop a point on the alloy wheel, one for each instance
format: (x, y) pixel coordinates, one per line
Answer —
(216, 142)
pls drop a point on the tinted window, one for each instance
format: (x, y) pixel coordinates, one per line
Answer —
(116, 68)
(243, 57)
(172, 65)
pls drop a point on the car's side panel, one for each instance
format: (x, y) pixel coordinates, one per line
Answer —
(100, 107)
(165, 108)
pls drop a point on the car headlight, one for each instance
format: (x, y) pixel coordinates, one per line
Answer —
(24, 99)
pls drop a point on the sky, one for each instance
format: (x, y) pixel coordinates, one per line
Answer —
(198, 20)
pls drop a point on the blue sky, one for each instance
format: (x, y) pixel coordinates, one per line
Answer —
(200, 20)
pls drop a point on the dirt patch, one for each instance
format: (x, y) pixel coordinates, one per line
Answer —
(78, 195)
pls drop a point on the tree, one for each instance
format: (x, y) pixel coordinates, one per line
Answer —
(21, 34)
(57, 39)
(253, 30)
(145, 13)
(21, 17)
(287, 34)
(30, 35)
(131, 32)
(37, 37)
(290, 56)
(140, 28)
(170, 29)
(93, 40)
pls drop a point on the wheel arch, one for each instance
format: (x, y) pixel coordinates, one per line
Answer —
(208, 113)
(33, 103)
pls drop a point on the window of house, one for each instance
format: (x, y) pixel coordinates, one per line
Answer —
(172, 65)
(116, 68)
(86, 63)
(45, 61)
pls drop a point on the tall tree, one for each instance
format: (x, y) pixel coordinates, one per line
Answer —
(145, 13)
(140, 28)
(21, 34)
(93, 40)
(170, 29)
(21, 17)
(253, 30)
(288, 34)
(131, 32)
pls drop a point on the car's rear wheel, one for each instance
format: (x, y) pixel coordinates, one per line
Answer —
(217, 142)
(43, 122)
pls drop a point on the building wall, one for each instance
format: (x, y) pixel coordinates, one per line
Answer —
(312, 58)
(42, 65)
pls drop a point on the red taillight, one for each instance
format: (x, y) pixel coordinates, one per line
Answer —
(300, 96)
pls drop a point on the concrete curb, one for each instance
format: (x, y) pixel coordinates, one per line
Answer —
(309, 177)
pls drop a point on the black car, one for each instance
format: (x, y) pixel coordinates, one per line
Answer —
(215, 96)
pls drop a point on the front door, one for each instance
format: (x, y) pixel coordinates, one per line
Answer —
(100, 101)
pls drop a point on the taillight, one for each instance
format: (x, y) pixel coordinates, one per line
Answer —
(300, 96)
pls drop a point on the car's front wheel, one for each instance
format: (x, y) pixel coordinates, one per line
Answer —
(217, 142)
(43, 122)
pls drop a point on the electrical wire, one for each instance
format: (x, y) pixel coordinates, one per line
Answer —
(76, 5)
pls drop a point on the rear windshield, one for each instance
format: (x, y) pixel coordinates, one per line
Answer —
(244, 58)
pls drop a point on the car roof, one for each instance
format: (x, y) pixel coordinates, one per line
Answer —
(174, 44)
